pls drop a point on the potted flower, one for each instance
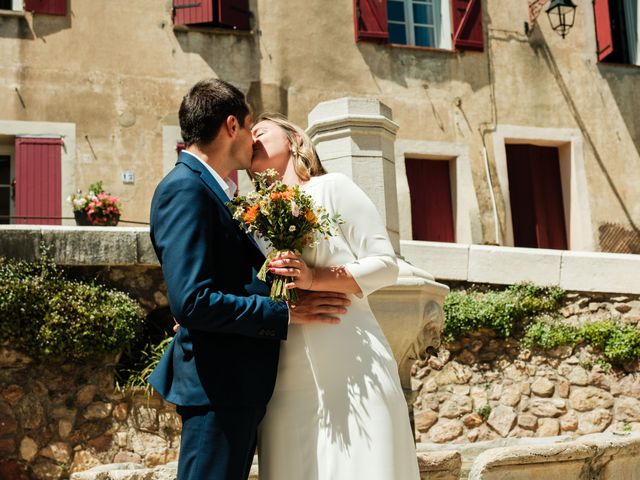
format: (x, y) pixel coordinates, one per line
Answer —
(96, 207)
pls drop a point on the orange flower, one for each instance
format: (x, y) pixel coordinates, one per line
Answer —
(310, 216)
(275, 195)
(251, 214)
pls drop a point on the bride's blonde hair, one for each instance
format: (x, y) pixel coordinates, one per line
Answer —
(306, 163)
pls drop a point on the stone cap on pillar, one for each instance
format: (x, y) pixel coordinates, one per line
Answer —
(351, 111)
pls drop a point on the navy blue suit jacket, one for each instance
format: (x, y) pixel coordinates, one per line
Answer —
(226, 350)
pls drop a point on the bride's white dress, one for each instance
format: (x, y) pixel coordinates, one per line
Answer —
(338, 411)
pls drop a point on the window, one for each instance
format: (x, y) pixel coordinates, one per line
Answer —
(431, 199)
(6, 189)
(233, 14)
(419, 22)
(535, 192)
(11, 5)
(442, 24)
(617, 31)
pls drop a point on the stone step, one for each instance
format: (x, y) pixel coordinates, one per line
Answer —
(442, 465)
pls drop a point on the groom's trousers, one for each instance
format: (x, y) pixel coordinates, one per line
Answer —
(217, 443)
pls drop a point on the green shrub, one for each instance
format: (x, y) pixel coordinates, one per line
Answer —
(618, 343)
(137, 375)
(502, 311)
(44, 313)
(548, 336)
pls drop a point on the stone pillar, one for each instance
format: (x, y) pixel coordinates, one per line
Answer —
(356, 136)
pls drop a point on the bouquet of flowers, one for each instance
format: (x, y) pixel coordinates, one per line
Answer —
(287, 217)
(96, 207)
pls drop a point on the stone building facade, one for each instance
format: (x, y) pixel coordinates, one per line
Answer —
(482, 106)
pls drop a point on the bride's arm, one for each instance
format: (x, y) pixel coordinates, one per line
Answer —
(322, 279)
(363, 229)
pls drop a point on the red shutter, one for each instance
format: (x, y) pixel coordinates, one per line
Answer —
(38, 180)
(49, 7)
(535, 190)
(370, 18)
(179, 147)
(604, 39)
(431, 206)
(547, 195)
(234, 13)
(467, 24)
(192, 12)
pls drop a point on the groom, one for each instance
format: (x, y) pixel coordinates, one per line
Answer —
(220, 368)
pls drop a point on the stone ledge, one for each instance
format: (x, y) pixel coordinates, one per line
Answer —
(577, 271)
(79, 245)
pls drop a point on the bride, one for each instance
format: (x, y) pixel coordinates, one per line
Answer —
(338, 411)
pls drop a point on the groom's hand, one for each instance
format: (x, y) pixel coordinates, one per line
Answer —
(318, 307)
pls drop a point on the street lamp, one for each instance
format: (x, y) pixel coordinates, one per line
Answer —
(562, 14)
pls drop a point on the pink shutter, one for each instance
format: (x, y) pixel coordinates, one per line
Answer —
(467, 24)
(38, 180)
(192, 12)
(431, 204)
(604, 39)
(370, 18)
(234, 13)
(49, 7)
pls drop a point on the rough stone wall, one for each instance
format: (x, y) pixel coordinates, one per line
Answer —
(528, 393)
(59, 418)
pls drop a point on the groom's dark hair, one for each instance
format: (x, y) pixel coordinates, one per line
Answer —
(206, 107)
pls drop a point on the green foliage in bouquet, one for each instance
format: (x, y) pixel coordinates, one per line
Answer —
(287, 217)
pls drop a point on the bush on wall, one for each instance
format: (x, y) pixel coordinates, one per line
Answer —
(502, 311)
(47, 314)
(532, 312)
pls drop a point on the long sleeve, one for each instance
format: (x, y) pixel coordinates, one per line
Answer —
(184, 229)
(363, 229)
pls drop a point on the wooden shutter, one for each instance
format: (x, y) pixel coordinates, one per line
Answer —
(38, 180)
(370, 18)
(467, 24)
(431, 205)
(535, 190)
(604, 37)
(234, 13)
(49, 7)
(192, 12)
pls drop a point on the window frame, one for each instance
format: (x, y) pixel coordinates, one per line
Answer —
(441, 35)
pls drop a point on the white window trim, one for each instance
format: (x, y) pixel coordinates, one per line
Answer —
(17, 5)
(442, 29)
(66, 131)
(467, 226)
(575, 193)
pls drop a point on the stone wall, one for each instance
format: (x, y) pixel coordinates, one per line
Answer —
(60, 418)
(481, 387)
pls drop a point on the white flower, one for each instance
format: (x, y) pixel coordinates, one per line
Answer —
(295, 210)
(292, 228)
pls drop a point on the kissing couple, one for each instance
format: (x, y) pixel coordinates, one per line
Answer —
(313, 384)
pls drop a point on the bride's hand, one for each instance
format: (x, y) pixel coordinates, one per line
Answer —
(289, 264)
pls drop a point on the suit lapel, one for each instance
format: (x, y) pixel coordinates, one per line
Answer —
(215, 188)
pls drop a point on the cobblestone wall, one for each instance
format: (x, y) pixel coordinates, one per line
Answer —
(480, 387)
